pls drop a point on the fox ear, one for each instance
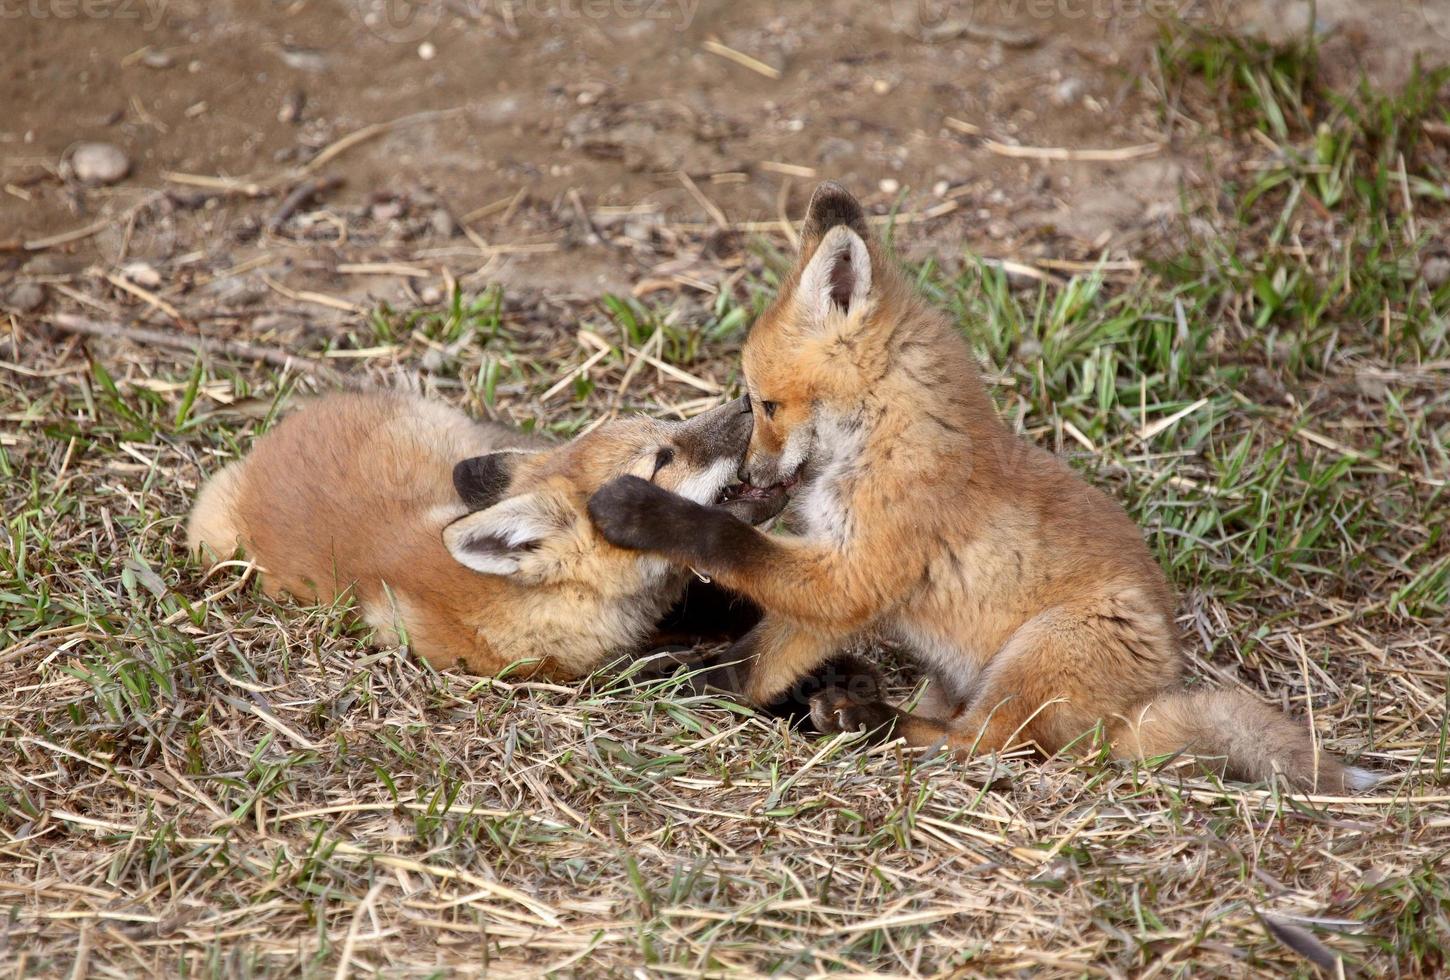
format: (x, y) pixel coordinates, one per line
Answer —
(831, 205)
(482, 480)
(837, 276)
(496, 540)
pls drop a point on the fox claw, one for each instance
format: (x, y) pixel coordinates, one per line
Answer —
(832, 711)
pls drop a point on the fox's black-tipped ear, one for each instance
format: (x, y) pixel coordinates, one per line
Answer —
(831, 205)
(482, 481)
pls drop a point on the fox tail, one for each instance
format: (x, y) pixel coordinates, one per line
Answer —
(1246, 739)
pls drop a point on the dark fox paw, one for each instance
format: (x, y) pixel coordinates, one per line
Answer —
(850, 677)
(834, 711)
(635, 514)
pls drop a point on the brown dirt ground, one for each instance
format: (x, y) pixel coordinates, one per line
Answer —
(562, 128)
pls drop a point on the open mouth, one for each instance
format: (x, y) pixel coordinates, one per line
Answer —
(749, 491)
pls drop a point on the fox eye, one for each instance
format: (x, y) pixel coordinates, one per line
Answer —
(663, 458)
(769, 408)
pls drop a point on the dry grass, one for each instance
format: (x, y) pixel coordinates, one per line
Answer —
(197, 779)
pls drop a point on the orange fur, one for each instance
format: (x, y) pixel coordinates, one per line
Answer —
(356, 492)
(1028, 595)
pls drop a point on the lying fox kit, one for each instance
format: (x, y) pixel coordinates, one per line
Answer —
(470, 537)
(1027, 595)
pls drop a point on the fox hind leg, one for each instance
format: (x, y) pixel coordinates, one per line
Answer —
(1052, 681)
(778, 654)
(781, 668)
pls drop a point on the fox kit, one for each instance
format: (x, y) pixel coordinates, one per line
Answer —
(471, 536)
(1028, 596)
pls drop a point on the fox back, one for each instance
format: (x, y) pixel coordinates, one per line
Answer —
(468, 538)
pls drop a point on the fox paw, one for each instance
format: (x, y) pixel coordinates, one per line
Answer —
(635, 514)
(833, 711)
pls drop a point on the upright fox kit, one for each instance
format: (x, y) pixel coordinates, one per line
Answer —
(1028, 596)
(473, 537)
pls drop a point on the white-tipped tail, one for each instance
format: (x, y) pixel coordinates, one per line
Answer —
(1250, 740)
(1358, 780)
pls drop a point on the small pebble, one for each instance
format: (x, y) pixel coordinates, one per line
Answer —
(940, 188)
(142, 274)
(430, 295)
(98, 163)
(25, 298)
(291, 109)
(639, 231)
(1068, 91)
(889, 185)
(427, 51)
(157, 59)
(1436, 272)
(304, 59)
(443, 224)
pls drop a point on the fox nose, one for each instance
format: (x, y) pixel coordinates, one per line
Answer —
(746, 420)
(749, 468)
(758, 472)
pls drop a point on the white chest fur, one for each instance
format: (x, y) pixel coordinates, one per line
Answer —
(834, 466)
